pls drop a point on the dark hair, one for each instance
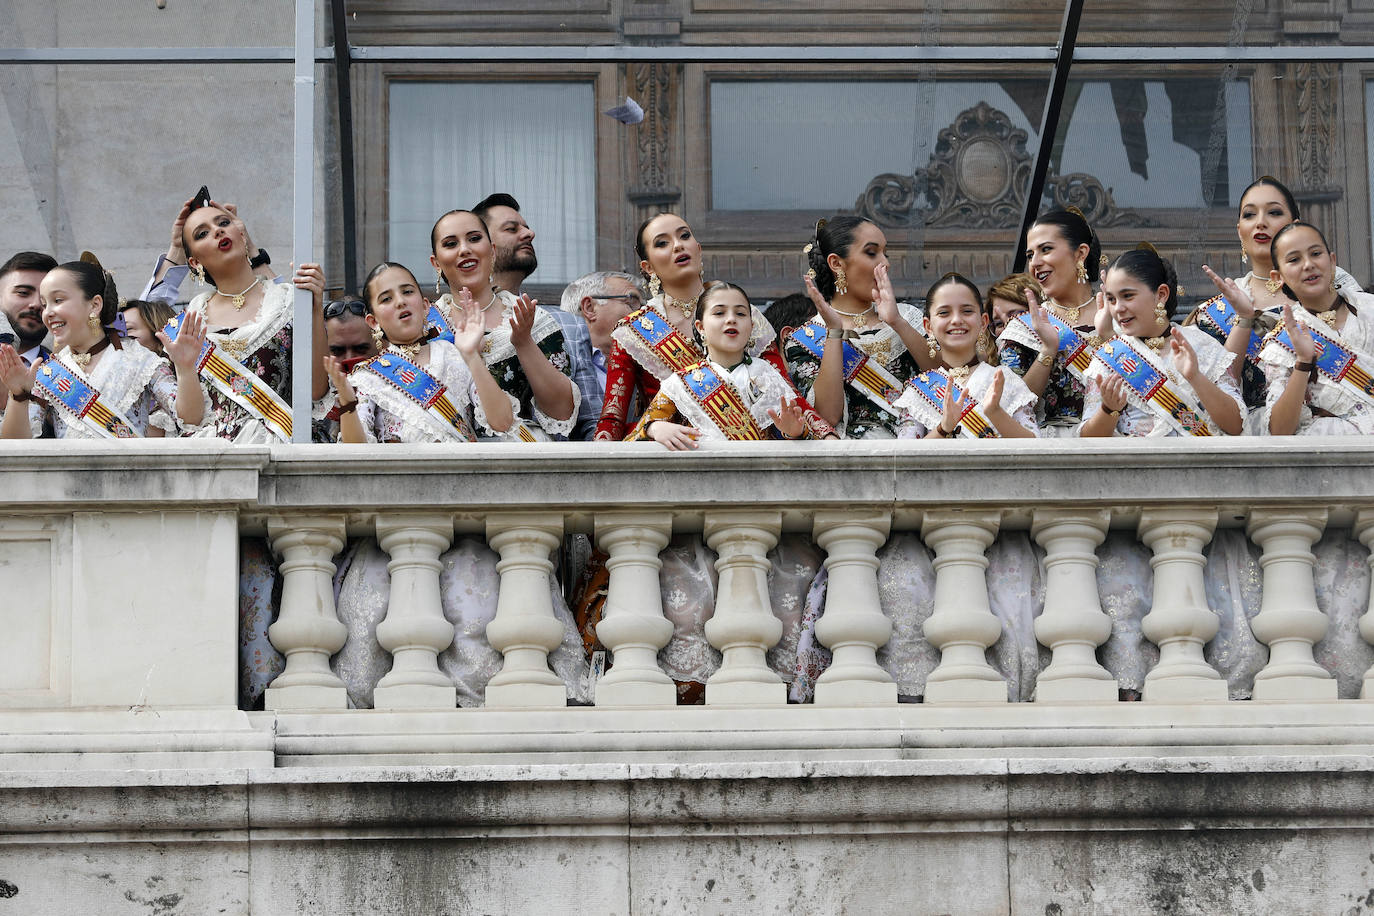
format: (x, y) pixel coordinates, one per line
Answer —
(1274, 249)
(953, 277)
(833, 236)
(498, 199)
(155, 315)
(1271, 181)
(28, 260)
(1145, 264)
(377, 271)
(713, 289)
(434, 233)
(1076, 231)
(791, 311)
(93, 280)
(641, 249)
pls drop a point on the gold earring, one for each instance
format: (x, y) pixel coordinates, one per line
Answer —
(438, 277)
(1082, 273)
(932, 346)
(377, 337)
(654, 286)
(200, 274)
(1244, 258)
(981, 346)
(1273, 285)
(94, 319)
(841, 282)
(1161, 315)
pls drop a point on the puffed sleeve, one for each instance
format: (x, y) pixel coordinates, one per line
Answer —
(661, 408)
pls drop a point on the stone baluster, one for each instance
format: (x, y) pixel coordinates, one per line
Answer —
(1364, 530)
(415, 630)
(743, 626)
(525, 630)
(1179, 621)
(308, 630)
(962, 626)
(633, 627)
(854, 626)
(1289, 621)
(1072, 624)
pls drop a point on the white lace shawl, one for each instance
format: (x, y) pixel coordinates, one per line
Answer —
(387, 415)
(1017, 400)
(134, 381)
(766, 391)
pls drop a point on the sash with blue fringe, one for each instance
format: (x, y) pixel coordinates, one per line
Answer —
(1075, 349)
(421, 389)
(655, 343)
(81, 400)
(1147, 386)
(1337, 362)
(867, 377)
(238, 383)
(930, 386)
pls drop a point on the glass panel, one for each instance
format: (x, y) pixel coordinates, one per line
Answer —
(148, 24)
(534, 140)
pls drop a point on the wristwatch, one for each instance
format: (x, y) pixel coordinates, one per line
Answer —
(259, 259)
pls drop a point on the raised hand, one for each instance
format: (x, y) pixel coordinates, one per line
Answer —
(18, 378)
(1113, 390)
(338, 376)
(1185, 360)
(884, 299)
(522, 320)
(673, 436)
(1304, 347)
(992, 398)
(176, 252)
(831, 317)
(184, 352)
(468, 325)
(953, 408)
(789, 419)
(1235, 294)
(311, 277)
(1102, 319)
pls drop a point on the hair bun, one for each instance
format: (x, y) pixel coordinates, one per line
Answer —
(90, 258)
(1146, 246)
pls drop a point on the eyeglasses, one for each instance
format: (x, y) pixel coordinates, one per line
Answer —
(631, 297)
(337, 307)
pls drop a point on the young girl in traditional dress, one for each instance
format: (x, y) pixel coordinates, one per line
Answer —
(728, 395)
(379, 404)
(991, 402)
(522, 345)
(1199, 395)
(852, 359)
(418, 390)
(1305, 398)
(97, 385)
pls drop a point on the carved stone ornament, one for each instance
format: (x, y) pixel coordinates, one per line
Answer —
(977, 178)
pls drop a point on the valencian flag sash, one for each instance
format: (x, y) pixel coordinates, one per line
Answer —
(655, 343)
(437, 321)
(82, 401)
(718, 399)
(869, 378)
(930, 386)
(1337, 362)
(1216, 313)
(1147, 386)
(238, 383)
(1074, 348)
(421, 389)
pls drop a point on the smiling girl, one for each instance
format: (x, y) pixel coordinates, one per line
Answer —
(96, 386)
(1305, 397)
(1156, 378)
(418, 390)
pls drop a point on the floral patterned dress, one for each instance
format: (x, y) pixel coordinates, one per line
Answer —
(387, 415)
(1061, 405)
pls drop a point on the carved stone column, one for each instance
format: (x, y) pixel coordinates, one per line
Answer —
(633, 626)
(743, 626)
(415, 630)
(854, 626)
(1364, 530)
(656, 86)
(962, 626)
(1073, 624)
(1179, 621)
(525, 630)
(308, 630)
(1289, 622)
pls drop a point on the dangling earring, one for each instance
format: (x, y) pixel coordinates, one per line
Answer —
(841, 282)
(1244, 258)
(200, 274)
(94, 319)
(932, 346)
(981, 346)
(1161, 315)
(377, 337)
(438, 277)
(1082, 273)
(1273, 285)
(654, 286)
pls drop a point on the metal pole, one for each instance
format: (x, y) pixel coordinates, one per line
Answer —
(303, 220)
(1049, 124)
(343, 62)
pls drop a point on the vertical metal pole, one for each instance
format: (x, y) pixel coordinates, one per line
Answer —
(1049, 124)
(303, 220)
(343, 60)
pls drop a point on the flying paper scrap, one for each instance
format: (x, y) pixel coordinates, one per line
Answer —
(629, 113)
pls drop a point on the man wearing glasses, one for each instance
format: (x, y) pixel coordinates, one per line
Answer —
(600, 299)
(349, 340)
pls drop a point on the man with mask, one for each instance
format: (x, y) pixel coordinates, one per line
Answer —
(349, 340)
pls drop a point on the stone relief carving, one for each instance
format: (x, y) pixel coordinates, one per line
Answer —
(977, 178)
(655, 86)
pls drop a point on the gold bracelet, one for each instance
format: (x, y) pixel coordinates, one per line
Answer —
(1046, 357)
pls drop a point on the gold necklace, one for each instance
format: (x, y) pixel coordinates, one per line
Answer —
(239, 299)
(1155, 343)
(1269, 282)
(410, 351)
(859, 318)
(687, 306)
(1329, 316)
(960, 374)
(1069, 313)
(82, 360)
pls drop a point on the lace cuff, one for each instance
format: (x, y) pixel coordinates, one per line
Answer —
(557, 427)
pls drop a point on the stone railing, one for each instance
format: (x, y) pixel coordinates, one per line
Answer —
(120, 564)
